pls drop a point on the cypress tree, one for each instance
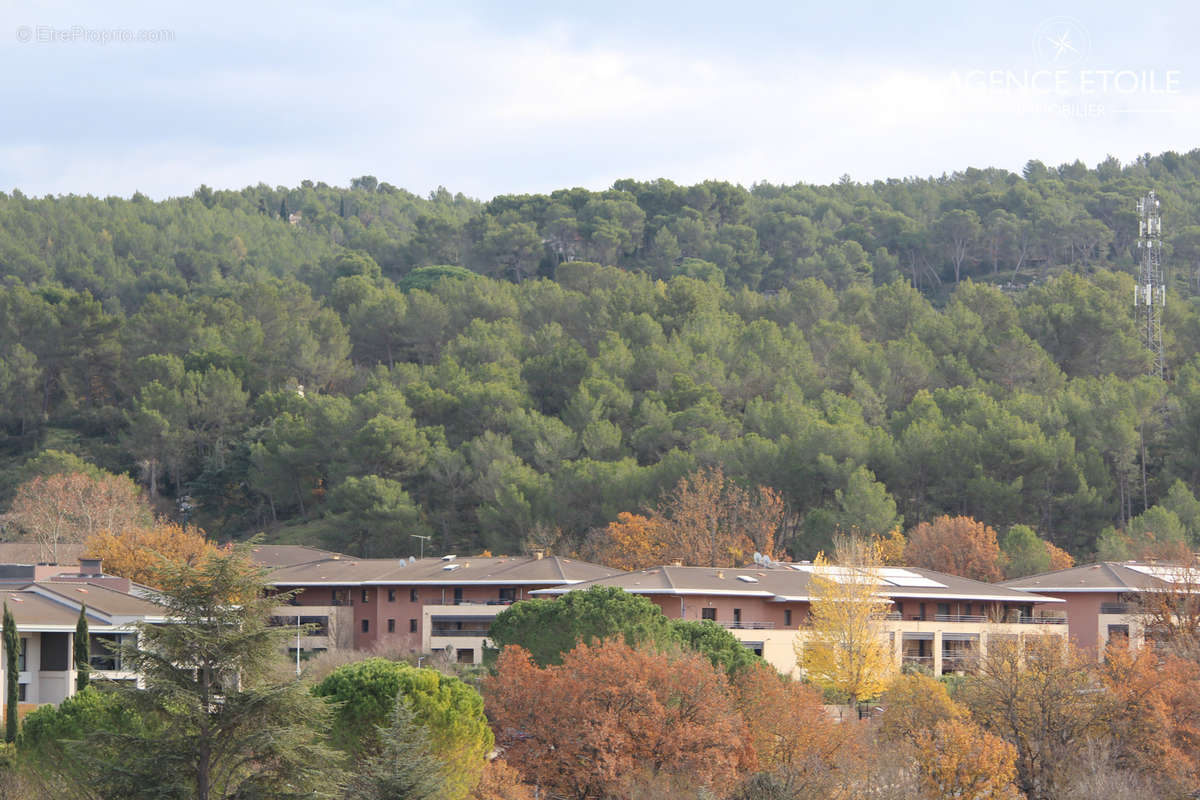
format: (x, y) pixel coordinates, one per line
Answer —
(83, 651)
(283, 209)
(12, 646)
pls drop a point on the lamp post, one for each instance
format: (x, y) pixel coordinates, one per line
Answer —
(297, 644)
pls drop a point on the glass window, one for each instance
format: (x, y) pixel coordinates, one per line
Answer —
(412, 626)
(391, 626)
(412, 595)
(708, 613)
(366, 626)
(391, 595)
(365, 596)
(21, 655)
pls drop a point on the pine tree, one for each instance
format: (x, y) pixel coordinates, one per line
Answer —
(12, 646)
(404, 767)
(83, 651)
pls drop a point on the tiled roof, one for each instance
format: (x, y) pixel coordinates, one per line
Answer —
(287, 555)
(790, 583)
(1104, 576)
(30, 553)
(344, 570)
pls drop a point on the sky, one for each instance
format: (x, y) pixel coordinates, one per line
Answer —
(509, 98)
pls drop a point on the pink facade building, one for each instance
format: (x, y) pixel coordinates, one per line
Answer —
(1101, 598)
(939, 622)
(432, 604)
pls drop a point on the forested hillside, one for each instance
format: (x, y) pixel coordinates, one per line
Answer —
(353, 366)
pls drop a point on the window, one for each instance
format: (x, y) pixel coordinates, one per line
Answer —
(391, 595)
(943, 609)
(737, 616)
(787, 618)
(103, 655)
(708, 613)
(412, 595)
(508, 595)
(365, 596)
(900, 608)
(466, 656)
(341, 597)
(366, 626)
(391, 626)
(412, 626)
(21, 655)
(458, 595)
(21, 690)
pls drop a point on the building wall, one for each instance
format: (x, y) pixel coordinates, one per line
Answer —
(402, 609)
(1083, 617)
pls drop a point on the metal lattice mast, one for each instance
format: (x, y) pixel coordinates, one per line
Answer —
(1150, 293)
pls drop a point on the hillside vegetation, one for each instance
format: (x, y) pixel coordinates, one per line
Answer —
(349, 367)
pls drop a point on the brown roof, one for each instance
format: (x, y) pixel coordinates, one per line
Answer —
(30, 553)
(1104, 576)
(288, 555)
(32, 611)
(343, 570)
(103, 599)
(790, 583)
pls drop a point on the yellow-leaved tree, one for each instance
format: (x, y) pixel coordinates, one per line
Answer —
(844, 647)
(139, 553)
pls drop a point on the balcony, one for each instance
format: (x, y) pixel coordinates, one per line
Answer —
(1114, 608)
(473, 631)
(749, 626)
(918, 661)
(959, 618)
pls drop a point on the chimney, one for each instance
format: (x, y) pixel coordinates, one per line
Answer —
(90, 567)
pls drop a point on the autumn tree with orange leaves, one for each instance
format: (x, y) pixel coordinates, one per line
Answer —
(957, 759)
(958, 546)
(633, 542)
(579, 729)
(706, 520)
(139, 553)
(801, 750)
(67, 508)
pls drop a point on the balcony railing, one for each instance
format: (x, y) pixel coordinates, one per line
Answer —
(921, 660)
(954, 663)
(1041, 620)
(1114, 608)
(959, 618)
(749, 626)
(477, 603)
(471, 632)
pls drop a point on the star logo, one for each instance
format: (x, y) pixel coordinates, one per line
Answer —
(1061, 41)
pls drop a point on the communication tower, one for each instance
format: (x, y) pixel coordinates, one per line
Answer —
(1150, 293)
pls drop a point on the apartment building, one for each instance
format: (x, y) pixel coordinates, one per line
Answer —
(1101, 598)
(422, 605)
(45, 606)
(938, 621)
